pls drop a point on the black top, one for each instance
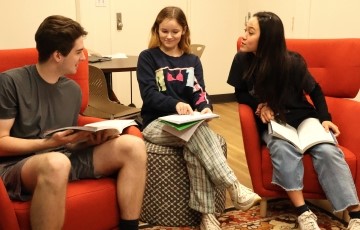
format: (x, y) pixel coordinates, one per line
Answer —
(297, 107)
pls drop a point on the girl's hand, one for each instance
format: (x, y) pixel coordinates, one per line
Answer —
(183, 108)
(206, 110)
(266, 114)
(329, 126)
(259, 107)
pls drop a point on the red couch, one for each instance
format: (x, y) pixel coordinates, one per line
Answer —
(90, 204)
(335, 63)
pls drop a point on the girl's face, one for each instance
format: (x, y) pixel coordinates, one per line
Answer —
(251, 37)
(170, 33)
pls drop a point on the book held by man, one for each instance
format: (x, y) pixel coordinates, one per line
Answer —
(116, 126)
(183, 126)
(310, 132)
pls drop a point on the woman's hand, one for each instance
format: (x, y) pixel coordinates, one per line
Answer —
(206, 110)
(329, 126)
(265, 113)
(183, 108)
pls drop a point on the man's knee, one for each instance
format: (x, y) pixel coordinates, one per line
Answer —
(55, 165)
(134, 148)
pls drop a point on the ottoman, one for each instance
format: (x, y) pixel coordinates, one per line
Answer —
(167, 192)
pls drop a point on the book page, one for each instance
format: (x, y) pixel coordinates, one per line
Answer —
(311, 132)
(285, 132)
(184, 134)
(112, 124)
(117, 125)
(180, 119)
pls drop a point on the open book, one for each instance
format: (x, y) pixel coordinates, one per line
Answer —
(115, 126)
(310, 132)
(183, 126)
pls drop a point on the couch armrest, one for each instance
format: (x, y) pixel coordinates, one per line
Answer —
(83, 120)
(8, 218)
(345, 114)
(252, 144)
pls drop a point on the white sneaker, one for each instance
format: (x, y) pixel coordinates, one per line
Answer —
(307, 221)
(354, 224)
(209, 222)
(242, 197)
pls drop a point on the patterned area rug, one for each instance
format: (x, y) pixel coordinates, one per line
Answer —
(280, 216)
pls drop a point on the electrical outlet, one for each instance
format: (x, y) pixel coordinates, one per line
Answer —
(100, 3)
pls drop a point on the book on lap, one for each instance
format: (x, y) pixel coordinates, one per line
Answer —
(114, 126)
(309, 133)
(183, 126)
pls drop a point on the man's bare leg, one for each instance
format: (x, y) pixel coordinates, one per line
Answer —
(46, 176)
(126, 156)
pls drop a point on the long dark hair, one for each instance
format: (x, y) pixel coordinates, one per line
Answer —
(271, 65)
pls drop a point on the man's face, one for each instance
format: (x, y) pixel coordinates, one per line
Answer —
(71, 61)
(251, 37)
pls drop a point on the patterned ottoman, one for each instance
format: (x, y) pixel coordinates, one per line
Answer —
(166, 199)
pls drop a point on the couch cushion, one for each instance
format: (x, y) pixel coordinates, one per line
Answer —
(90, 204)
(329, 61)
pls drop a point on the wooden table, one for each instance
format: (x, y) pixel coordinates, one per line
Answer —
(128, 64)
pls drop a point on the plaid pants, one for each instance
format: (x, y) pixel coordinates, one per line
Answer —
(205, 161)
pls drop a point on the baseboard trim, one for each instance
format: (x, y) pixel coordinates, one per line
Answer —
(222, 98)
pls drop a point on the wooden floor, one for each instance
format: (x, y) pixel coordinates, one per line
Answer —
(228, 126)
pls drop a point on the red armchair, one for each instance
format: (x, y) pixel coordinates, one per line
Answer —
(90, 204)
(335, 63)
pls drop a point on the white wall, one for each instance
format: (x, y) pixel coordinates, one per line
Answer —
(20, 19)
(216, 24)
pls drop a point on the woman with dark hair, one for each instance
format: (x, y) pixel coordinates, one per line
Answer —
(273, 82)
(171, 82)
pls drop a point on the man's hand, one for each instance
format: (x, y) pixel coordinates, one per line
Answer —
(67, 137)
(102, 136)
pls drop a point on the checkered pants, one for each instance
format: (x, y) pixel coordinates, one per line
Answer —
(205, 161)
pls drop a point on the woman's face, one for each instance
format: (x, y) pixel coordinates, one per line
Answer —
(251, 37)
(170, 33)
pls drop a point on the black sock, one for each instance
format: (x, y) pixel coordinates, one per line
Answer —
(354, 215)
(129, 224)
(301, 209)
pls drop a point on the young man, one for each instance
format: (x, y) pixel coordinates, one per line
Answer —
(37, 98)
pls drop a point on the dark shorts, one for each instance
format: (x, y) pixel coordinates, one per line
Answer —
(82, 167)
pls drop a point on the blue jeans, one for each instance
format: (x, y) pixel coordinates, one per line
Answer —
(333, 172)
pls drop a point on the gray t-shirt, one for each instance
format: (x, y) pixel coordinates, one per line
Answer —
(36, 105)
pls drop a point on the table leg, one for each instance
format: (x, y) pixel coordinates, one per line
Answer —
(131, 99)
(111, 94)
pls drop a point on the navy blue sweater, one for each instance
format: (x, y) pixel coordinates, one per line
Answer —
(165, 80)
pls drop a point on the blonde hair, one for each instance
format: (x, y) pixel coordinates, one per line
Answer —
(171, 12)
